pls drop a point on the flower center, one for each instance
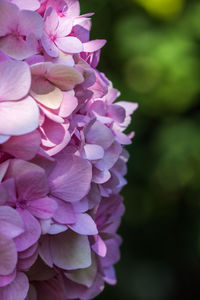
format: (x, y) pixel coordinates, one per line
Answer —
(21, 203)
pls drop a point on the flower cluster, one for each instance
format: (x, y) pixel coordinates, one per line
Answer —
(62, 162)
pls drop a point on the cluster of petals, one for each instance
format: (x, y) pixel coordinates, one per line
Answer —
(62, 156)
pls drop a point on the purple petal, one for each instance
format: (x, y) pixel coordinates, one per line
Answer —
(5, 280)
(23, 146)
(110, 157)
(93, 152)
(43, 208)
(84, 225)
(30, 179)
(116, 112)
(109, 275)
(25, 263)
(8, 255)
(29, 252)
(99, 247)
(100, 176)
(45, 250)
(70, 172)
(64, 213)
(17, 290)
(100, 135)
(31, 233)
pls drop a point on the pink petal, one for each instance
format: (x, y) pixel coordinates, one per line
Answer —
(5, 280)
(16, 290)
(54, 132)
(9, 186)
(65, 27)
(99, 247)
(94, 45)
(31, 181)
(49, 46)
(8, 17)
(30, 22)
(43, 208)
(17, 47)
(84, 225)
(8, 255)
(100, 176)
(15, 80)
(30, 4)
(19, 117)
(32, 231)
(23, 146)
(11, 223)
(69, 44)
(73, 8)
(29, 252)
(61, 146)
(50, 115)
(26, 263)
(68, 105)
(51, 21)
(71, 251)
(70, 172)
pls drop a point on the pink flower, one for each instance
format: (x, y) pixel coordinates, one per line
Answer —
(18, 112)
(62, 156)
(19, 30)
(55, 37)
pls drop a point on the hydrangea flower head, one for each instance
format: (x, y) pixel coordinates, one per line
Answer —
(62, 156)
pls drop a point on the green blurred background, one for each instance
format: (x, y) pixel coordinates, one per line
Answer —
(153, 58)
